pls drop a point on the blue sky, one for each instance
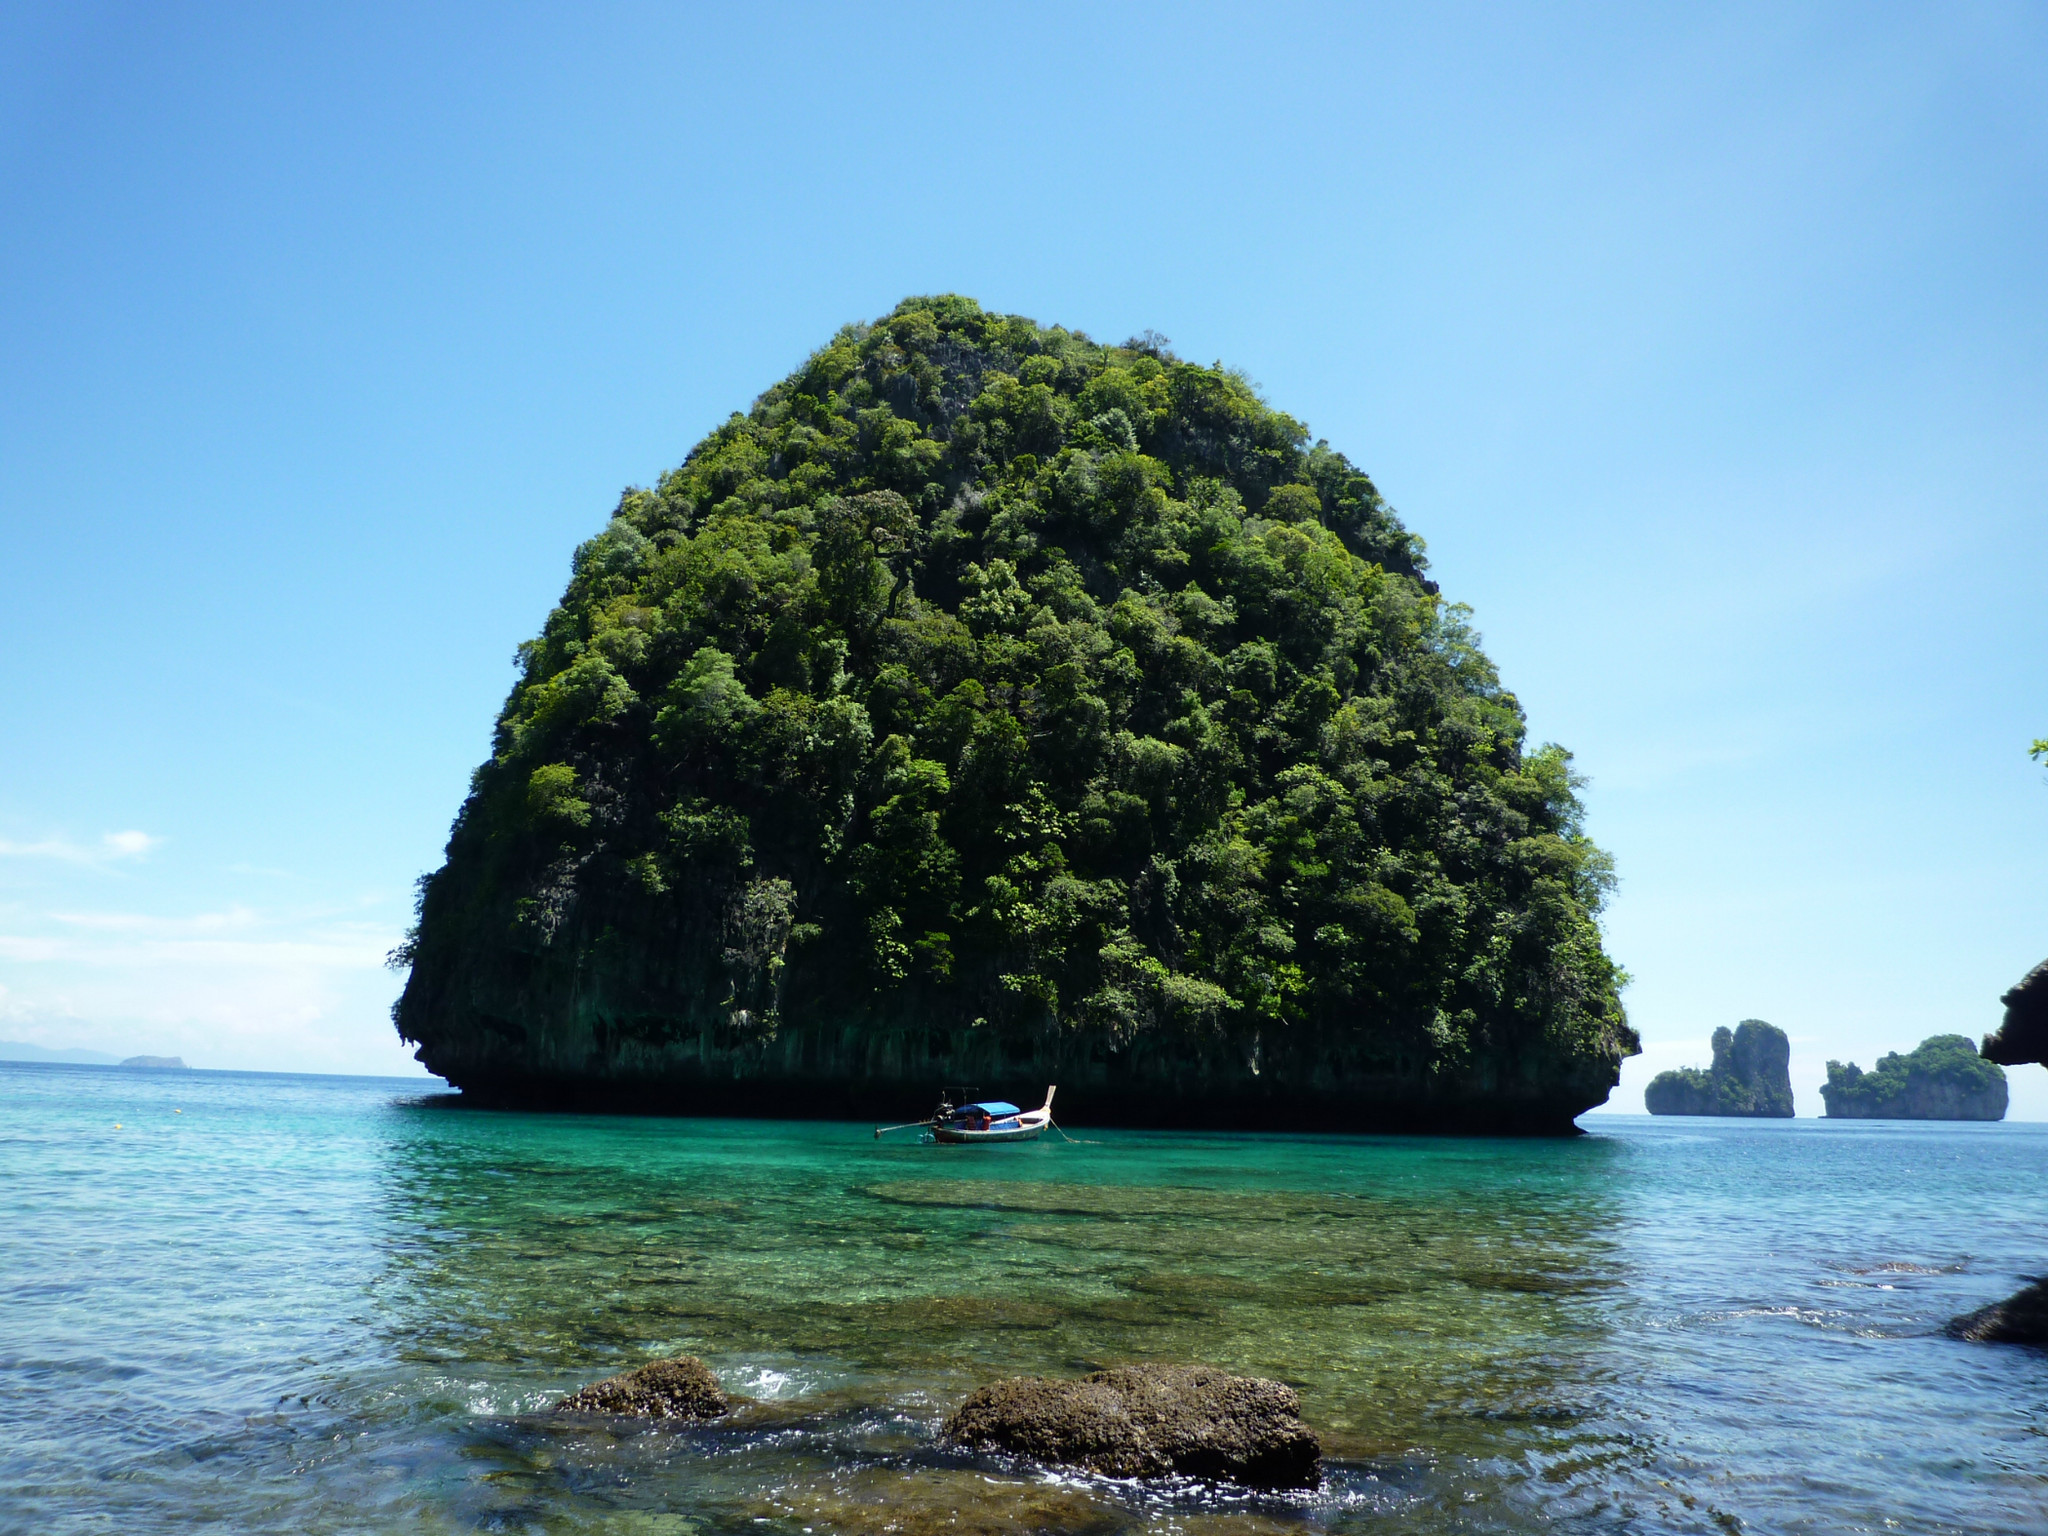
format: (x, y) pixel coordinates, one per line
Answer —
(1704, 346)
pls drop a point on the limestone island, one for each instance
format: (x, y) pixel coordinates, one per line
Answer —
(158, 1063)
(987, 705)
(1942, 1079)
(1751, 1076)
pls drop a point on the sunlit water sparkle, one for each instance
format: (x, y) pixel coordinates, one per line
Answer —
(270, 1303)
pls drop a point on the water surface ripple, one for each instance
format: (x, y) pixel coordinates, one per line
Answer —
(306, 1305)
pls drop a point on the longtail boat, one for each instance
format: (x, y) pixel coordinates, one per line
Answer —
(982, 1120)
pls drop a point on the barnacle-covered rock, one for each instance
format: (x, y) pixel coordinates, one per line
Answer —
(1147, 1421)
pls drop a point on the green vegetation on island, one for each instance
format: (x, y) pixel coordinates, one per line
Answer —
(2022, 1036)
(1751, 1075)
(988, 704)
(1943, 1078)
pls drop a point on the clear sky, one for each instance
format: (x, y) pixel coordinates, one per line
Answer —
(1707, 347)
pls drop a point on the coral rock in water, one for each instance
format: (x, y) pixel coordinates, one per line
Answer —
(682, 1388)
(2021, 1318)
(1148, 1421)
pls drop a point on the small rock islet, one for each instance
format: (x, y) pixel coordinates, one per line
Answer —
(1751, 1077)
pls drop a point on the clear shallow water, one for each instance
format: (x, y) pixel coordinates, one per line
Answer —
(317, 1304)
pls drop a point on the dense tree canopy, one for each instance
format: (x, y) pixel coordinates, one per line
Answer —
(984, 672)
(1938, 1079)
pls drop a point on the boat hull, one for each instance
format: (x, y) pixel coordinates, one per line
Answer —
(1024, 1131)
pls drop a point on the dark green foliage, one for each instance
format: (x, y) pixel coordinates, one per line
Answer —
(983, 675)
(1943, 1078)
(1751, 1075)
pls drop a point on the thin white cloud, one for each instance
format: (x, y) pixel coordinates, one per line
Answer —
(216, 1010)
(111, 846)
(235, 982)
(346, 952)
(234, 919)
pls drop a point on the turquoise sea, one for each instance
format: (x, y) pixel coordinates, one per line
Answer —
(257, 1303)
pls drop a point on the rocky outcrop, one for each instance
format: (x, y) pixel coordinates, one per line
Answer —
(2023, 1037)
(681, 1388)
(1148, 1421)
(1943, 1078)
(1751, 1076)
(2021, 1318)
(990, 705)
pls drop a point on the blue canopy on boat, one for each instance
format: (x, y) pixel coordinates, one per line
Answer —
(995, 1109)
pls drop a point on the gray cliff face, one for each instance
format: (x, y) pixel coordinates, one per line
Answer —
(1751, 1077)
(2023, 1037)
(586, 1052)
(1951, 1101)
(1925, 1100)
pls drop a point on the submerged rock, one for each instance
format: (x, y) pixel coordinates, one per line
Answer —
(1148, 1421)
(2023, 1036)
(682, 1388)
(891, 1500)
(1751, 1076)
(2021, 1318)
(1942, 1079)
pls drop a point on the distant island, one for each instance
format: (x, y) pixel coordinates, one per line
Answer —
(990, 705)
(160, 1063)
(1751, 1077)
(1942, 1079)
(21, 1050)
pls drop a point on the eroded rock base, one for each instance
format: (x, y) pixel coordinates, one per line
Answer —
(682, 1388)
(2021, 1318)
(1148, 1421)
